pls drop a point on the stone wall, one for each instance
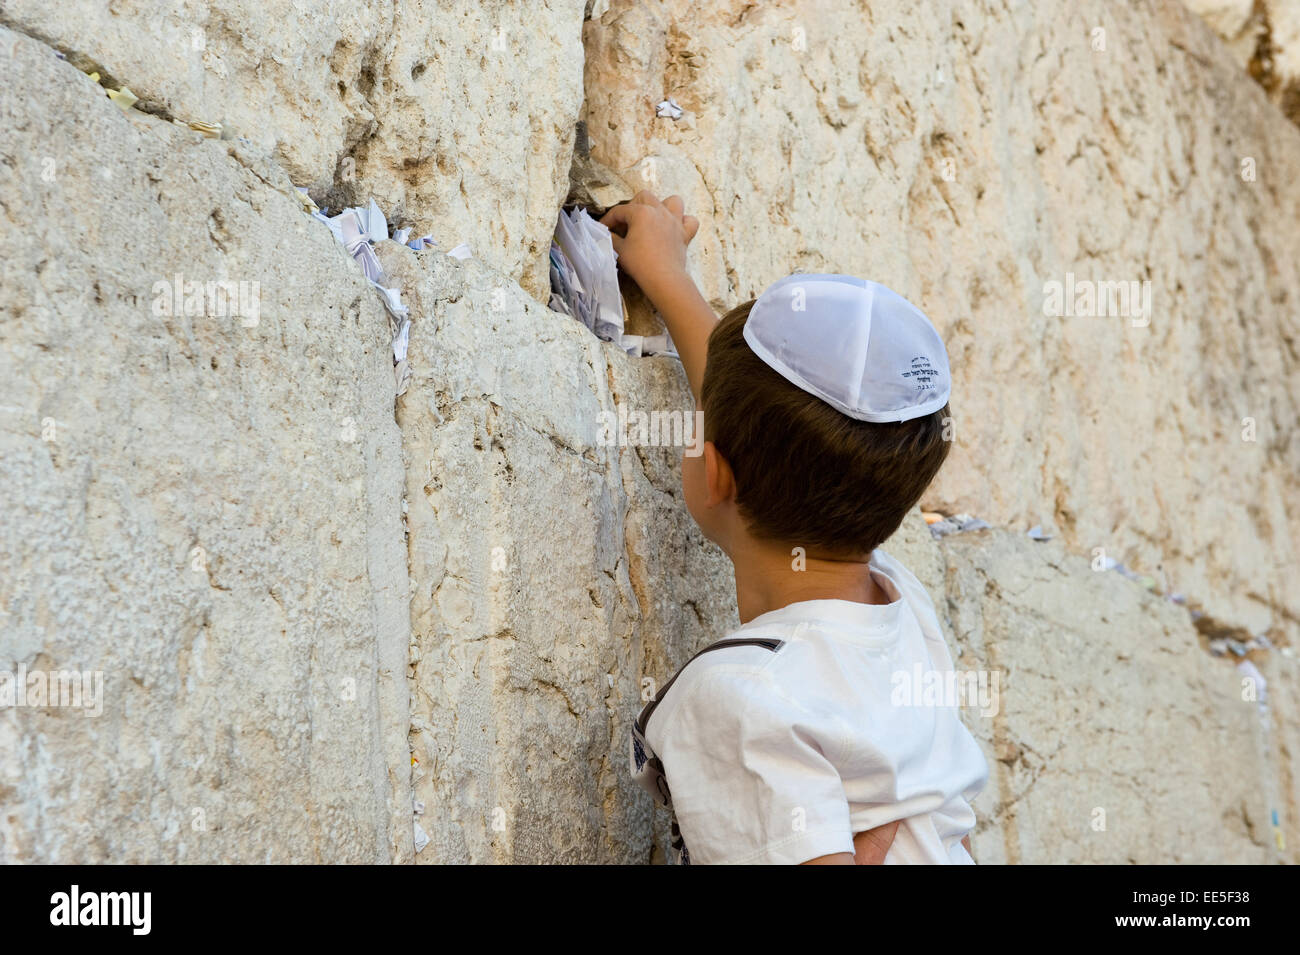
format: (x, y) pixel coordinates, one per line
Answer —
(332, 624)
(202, 507)
(453, 116)
(968, 154)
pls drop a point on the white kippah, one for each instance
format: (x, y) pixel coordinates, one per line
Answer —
(863, 349)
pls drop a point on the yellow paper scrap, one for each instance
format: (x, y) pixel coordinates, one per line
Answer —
(124, 98)
(211, 130)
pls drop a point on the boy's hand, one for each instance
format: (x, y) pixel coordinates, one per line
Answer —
(873, 845)
(870, 848)
(650, 238)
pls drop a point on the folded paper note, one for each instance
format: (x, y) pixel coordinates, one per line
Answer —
(124, 98)
(358, 229)
(584, 283)
(668, 109)
(419, 245)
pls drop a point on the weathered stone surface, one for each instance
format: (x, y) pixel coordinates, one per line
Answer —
(967, 155)
(457, 117)
(593, 185)
(551, 574)
(1264, 37)
(1279, 745)
(204, 508)
(1117, 738)
(552, 582)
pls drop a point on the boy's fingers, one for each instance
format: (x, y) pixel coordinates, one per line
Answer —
(618, 217)
(692, 225)
(646, 198)
(873, 845)
(617, 240)
(675, 205)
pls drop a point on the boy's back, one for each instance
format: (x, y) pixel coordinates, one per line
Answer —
(825, 412)
(787, 739)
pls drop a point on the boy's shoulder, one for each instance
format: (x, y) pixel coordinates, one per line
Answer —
(765, 661)
(733, 668)
(906, 582)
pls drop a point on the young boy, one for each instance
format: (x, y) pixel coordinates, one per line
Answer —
(824, 403)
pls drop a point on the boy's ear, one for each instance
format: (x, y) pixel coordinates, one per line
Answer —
(718, 479)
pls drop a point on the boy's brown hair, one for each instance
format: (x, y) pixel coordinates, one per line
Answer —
(806, 474)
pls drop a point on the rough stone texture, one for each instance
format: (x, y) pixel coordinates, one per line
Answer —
(458, 116)
(551, 574)
(1264, 37)
(1280, 745)
(207, 513)
(552, 583)
(968, 153)
(1110, 715)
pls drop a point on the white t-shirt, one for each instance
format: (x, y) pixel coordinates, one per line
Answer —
(801, 729)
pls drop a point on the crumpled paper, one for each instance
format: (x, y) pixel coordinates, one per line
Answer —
(941, 526)
(306, 201)
(210, 130)
(421, 837)
(584, 284)
(419, 245)
(358, 229)
(124, 98)
(668, 109)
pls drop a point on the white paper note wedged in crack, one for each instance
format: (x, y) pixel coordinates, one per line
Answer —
(584, 284)
(358, 229)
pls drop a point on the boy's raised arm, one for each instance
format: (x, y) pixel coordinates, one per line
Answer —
(650, 238)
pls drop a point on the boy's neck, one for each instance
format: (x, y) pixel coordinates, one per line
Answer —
(768, 578)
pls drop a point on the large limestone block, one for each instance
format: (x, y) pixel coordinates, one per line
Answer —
(456, 116)
(1110, 714)
(968, 156)
(203, 508)
(555, 579)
